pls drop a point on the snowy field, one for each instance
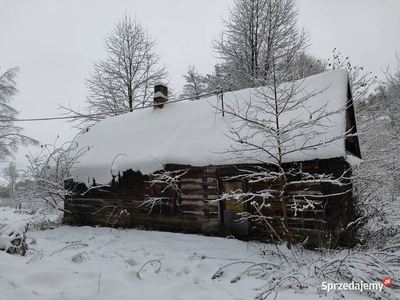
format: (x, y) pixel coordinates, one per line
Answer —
(102, 263)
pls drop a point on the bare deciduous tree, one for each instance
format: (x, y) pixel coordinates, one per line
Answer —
(11, 176)
(168, 184)
(377, 178)
(123, 80)
(10, 134)
(260, 37)
(276, 123)
(360, 80)
(304, 65)
(49, 171)
(392, 89)
(51, 183)
(195, 84)
(219, 80)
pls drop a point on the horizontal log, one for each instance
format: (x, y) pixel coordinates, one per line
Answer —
(194, 208)
(209, 196)
(211, 203)
(86, 201)
(203, 180)
(212, 214)
(190, 212)
(278, 207)
(97, 205)
(102, 202)
(195, 203)
(307, 212)
(304, 192)
(279, 214)
(199, 191)
(301, 219)
(211, 209)
(199, 197)
(192, 197)
(195, 186)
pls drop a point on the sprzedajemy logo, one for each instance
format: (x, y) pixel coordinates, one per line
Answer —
(353, 286)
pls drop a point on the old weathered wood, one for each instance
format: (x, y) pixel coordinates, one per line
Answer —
(192, 208)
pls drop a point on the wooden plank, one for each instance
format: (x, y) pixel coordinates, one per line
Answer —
(210, 210)
(195, 186)
(210, 203)
(306, 219)
(189, 212)
(196, 203)
(315, 211)
(213, 215)
(202, 180)
(96, 202)
(199, 191)
(193, 208)
(198, 197)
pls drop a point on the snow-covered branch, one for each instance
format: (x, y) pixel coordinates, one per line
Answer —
(49, 173)
(166, 180)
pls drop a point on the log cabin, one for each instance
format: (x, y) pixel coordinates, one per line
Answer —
(184, 165)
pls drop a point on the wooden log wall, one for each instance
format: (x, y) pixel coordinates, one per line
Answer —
(122, 203)
(199, 188)
(318, 210)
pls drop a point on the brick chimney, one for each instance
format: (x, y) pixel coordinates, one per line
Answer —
(160, 94)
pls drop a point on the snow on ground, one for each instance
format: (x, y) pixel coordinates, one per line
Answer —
(102, 263)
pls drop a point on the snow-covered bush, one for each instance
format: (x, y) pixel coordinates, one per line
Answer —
(12, 238)
(48, 172)
(300, 270)
(376, 180)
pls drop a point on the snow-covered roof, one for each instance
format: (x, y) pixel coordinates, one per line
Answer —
(195, 132)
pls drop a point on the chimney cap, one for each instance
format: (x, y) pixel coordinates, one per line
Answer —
(160, 95)
(158, 83)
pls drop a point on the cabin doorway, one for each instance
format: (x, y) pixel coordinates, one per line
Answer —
(231, 209)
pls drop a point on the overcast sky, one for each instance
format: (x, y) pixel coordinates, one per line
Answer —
(54, 41)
